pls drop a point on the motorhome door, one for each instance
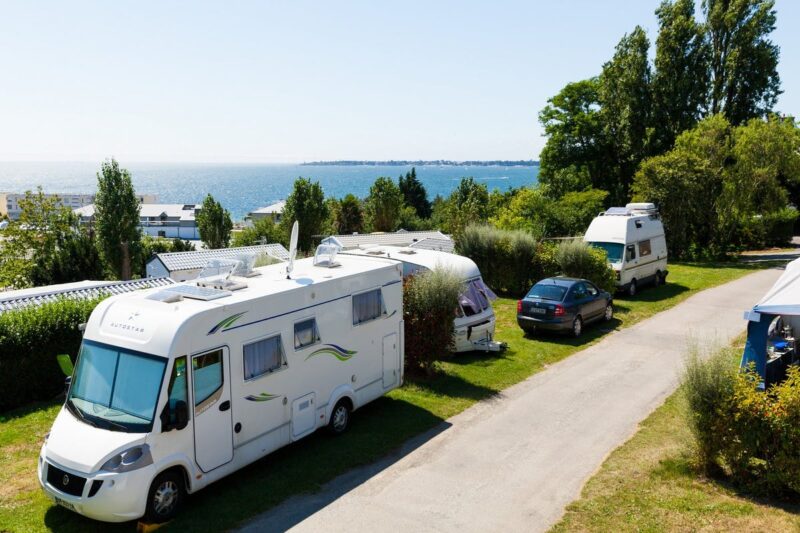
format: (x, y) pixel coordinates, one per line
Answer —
(213, 425)
(390, 360)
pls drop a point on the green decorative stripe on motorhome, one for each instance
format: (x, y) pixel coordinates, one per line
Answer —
(225, 324)
(263, 397)
(331, 349)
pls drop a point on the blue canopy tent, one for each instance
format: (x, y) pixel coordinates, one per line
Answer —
(781, 301)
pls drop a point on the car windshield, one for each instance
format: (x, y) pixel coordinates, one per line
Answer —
(547, 291)
(116, 389)
(613, 250)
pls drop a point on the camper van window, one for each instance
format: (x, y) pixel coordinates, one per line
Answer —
(178, 391)
(613, 250)
(262, 357)
(116, 389)
(368, 306)
(305, 333)
(207, 374)
(644, 248)
(473, 300)
(630, 252)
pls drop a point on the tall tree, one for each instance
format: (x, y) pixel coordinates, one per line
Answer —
(680, 81)
(414, 194)
(117, 219)
(384, 203)
(214, 224)
(573, 157)
(306, 204)
(350, 215)
(626, 105)
(467, 204)
(744, 61)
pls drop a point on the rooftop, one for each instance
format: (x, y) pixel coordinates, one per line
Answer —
(397, 238)
(272, 209)
(179, 211)
(174, 261)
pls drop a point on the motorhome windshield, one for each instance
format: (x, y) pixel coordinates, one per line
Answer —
(116, 389)
(613, 250)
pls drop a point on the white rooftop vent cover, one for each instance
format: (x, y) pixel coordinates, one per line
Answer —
(217, 273)
(325, 256)
(645, 207)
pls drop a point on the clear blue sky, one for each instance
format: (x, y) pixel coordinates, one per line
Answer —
(294, 81)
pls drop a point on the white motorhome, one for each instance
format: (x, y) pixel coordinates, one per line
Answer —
(177, 387)
(475, 321)
(633, 237)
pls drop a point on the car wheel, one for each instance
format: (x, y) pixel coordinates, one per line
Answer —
(165, 497)
(658, 280)
(609, 314)
(632, 288)
(340, 417)
(577, 327)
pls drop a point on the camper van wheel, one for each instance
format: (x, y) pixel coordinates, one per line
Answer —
(632, 288)
(658, 279)
(165, 497)
(577, 327)
(340, 417)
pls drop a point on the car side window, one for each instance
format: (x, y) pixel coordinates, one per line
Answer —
(579, 292)
(630, 252)
(591, 290)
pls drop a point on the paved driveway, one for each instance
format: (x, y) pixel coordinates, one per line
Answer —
(513, 463)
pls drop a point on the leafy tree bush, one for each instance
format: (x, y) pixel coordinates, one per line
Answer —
(467, 204)
(306, 205)
(578, 259)
(533, 211)
(429, 303)
(414, 194)
(263, 229)
(117, 219)
(30, 339)
(748, 434)
(214, 224)
(349, 215)
(384, 204)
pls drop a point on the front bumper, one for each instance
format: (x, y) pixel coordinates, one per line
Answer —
(550, 324)
(119, 498)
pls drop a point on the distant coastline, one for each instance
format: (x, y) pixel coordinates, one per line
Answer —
(421, 163)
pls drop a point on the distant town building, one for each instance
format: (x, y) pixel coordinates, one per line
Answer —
(80, 290)
(9, 201)
(273, 211)
(159, 220)
(183, 266)
(430, 240)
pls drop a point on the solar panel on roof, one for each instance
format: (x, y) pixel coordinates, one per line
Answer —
(198, 293)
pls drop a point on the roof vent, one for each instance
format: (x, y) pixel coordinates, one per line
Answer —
(325, 256)
(217, 273)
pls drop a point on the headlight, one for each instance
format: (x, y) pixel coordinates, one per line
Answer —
(130, 459)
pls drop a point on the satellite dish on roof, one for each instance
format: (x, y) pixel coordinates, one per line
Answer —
(292, 248)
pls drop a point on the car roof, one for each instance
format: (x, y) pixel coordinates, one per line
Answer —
(560, 281)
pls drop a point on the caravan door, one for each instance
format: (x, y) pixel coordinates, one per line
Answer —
(390, 361)
(213, 423)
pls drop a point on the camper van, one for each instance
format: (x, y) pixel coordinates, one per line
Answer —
(633, 237)
(175, 388)
(475, 321)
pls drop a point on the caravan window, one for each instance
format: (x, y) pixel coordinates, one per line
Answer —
(368, 306)
(305, 333)
(644, 248)
(262, 356)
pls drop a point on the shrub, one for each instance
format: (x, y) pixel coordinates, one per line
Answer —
(429, 303)
(578, 259)
(30, 339)
(753, 436)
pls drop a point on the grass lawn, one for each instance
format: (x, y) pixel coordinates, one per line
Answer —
(377, 428)
(651, 484)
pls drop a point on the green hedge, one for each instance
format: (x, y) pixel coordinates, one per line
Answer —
(30, 339)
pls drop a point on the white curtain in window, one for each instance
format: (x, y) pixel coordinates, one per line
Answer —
(367, 306)
(262, 356)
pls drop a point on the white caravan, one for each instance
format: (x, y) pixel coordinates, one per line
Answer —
(175, 388)
(475, 321)
(633, 237)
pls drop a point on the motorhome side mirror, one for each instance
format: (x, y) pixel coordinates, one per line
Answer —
(181, 414)
(67, 383)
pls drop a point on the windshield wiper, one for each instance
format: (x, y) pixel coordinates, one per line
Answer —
(117, 425)
(75, 410)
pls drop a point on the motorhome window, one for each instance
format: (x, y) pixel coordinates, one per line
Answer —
(115, 388)
(613, 250)
(178, 388)
(630, 252)
(207, 373)
(262, 357)
(547, 291)
(305, 333)
(368, 306)
(644, 248)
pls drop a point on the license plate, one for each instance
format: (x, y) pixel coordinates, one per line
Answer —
(63, 503)
(539, 310)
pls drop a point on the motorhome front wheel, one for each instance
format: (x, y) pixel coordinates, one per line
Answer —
(165, 497)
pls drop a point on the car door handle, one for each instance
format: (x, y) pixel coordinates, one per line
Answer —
(224, 406)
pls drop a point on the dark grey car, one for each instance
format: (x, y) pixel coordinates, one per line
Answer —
(563, 304)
